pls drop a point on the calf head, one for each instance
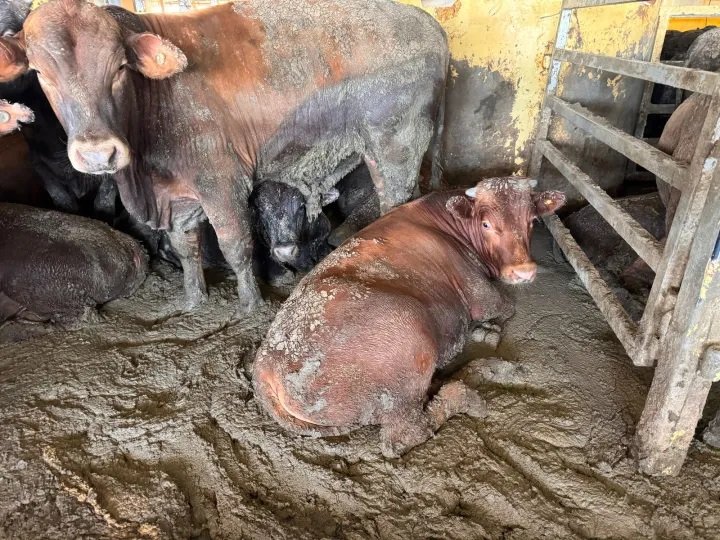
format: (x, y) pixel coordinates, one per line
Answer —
(84, 58)
(497, 217)
(12, 115)
(12, 15)
(282, 226)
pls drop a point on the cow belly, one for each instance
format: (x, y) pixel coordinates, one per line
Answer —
(393, 110)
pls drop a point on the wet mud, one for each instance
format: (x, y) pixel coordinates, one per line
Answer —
(143, 425)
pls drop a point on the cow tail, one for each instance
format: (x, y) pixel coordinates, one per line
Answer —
(270, 401)
(436, 156)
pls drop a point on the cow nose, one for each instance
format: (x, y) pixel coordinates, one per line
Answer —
(519, 273)
(286, 252)
(105, 156)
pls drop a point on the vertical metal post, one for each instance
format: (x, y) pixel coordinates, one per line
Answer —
(563, 32)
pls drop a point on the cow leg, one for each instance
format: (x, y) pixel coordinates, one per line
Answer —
(61, 197)
(394, 161)
(187, 244)
(230, 218)
(105, 200)
(413, 426)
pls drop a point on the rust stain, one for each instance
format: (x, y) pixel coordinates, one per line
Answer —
(449, 13)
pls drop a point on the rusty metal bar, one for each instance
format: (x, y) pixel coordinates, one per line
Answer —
(604, 297)
(579, 4)
(652, 159)
(703, 82)
(632, 232)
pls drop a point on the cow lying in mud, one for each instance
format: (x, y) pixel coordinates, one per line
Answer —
(188, 111)
(359, 339)
(55, 266)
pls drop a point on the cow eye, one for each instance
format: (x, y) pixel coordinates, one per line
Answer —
(486, 225)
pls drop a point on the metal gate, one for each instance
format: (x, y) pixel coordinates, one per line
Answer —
(678, 329)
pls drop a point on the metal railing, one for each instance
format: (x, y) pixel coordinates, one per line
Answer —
(669, 419)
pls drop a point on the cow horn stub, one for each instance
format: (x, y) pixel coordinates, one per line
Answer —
(472, 192)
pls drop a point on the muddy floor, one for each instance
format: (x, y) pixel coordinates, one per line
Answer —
(143, 425)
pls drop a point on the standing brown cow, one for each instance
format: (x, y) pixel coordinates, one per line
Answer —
(189, 111)
(358, 341)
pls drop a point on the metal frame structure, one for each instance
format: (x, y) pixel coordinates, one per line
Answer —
(678, 328)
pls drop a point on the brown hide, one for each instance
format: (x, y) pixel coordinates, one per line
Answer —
(359, 339)
(679, 139)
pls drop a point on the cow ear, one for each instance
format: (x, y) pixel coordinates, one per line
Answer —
(13, 60)
(330, 196)
(11, 114)
(155, 57)
(460, 207)
(548, 202)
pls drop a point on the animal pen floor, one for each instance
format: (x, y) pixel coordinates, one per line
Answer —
(143, 426)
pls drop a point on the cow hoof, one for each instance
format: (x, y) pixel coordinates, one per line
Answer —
(487, 333)
(475, 406)
(194, 301)
(398, 438)
(249, 304)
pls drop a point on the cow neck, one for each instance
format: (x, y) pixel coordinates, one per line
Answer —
(466, 232)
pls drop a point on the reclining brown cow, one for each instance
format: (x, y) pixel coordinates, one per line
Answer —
(358, 341)
(189, 111)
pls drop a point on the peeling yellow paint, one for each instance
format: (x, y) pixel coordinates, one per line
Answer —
(514, 38)
(710, 273)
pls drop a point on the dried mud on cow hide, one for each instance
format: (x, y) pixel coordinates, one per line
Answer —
(144, 426)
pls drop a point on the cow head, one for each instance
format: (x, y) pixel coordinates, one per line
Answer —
(282, 226)
(83, 58)
(12, 115)
(497, 217)
(12, 15)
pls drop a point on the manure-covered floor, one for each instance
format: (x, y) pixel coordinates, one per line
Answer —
(143, 425)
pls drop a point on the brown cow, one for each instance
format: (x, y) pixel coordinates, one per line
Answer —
(189, 111)
(679, 139)
(358, 341)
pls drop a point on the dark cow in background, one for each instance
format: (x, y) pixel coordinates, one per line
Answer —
(12, 15)
(359, 339)
(55, 266)
(189, 111)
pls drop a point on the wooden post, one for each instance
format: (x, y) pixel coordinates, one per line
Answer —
(690, 359)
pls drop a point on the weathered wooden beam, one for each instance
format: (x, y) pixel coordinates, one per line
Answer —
(688, 363)
(644, 244)
(652, 159)
(604, 297)
(694, 80)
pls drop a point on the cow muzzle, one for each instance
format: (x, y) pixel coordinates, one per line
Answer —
(519, 273)
(285, 253)
(99, 156)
